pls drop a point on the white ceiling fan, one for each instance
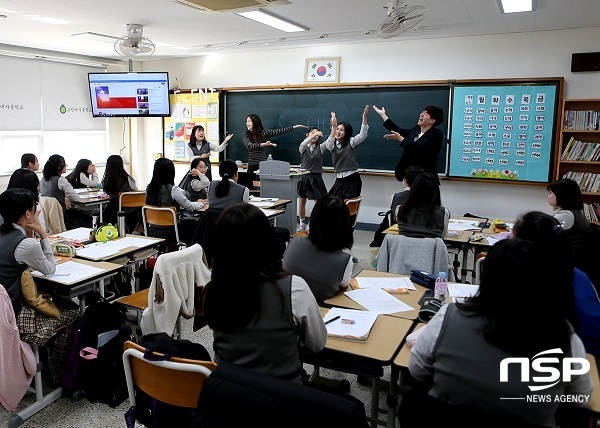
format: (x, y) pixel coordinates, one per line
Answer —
(400, 19)
(133, 44)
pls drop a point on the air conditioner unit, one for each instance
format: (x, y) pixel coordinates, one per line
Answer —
(228, 5)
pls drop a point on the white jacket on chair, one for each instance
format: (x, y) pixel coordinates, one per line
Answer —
(175, 277)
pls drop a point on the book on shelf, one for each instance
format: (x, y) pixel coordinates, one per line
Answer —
(581, 120)
(349, 324)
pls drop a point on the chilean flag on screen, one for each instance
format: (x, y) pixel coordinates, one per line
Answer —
(104, 100)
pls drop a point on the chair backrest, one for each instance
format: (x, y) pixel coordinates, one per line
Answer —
(53, 215)
(478, 265)
(176, 381)
(134, 199)
(353, 206)
(160, 216)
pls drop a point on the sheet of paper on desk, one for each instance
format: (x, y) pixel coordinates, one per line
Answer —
(68, 272)
(351, 325)
(463, 225)
(94, 196)
(257, 199)
(378, 301)
(260, 203)
(100, 250)
(81, 234)
(267, 212)
(386, 283)
(83, 190)
(457, 289)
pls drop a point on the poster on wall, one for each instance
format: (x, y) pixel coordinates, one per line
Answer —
(503, 132)
(189, 109)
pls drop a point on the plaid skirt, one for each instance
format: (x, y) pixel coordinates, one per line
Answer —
(312, 186)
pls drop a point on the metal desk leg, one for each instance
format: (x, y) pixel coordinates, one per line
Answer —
(374, 402)
(392, 400)
(463, 268)
(101, 287)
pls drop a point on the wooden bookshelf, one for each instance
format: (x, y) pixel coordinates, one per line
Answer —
(582, 129)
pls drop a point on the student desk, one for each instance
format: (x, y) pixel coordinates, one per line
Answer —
(89, 199)
(364, 358)
(412, 298)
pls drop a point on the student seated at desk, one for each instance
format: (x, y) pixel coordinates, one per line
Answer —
(422, 215)
(19, 251)
(84, 175)
(196, 181)
(115, 181)
(521, 309)
(30, 161)
(56, 186)
(24, 178)
(319, 258)
(259, 314)
(543, 229)
(163, 192)
(225, 192)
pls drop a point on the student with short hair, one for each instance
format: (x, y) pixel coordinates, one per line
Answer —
(422, 215)
(311, 186)
(198, 147)
(84, 175)
(462, 349)
(30, 161)
(259, 314)
(24, 178)
(225, 192)
(319, 258)
(56, 186)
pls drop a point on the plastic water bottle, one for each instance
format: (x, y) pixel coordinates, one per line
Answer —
(270, 157)
(441, 287)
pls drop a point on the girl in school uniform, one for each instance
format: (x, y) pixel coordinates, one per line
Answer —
(319, 258)
(251, 303)
(56, 186)
(311, 186)
(26, 179)
(197, 180)
(422, 215)
(226, 192)
(163, 192)
(256, 139)
(198, 147)
(84, 175)
(115, 181)
(30, 161)
(341, 143)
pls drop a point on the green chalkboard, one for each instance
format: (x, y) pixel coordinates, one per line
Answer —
(313, 107)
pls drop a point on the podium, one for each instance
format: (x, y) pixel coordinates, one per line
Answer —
(276, 181)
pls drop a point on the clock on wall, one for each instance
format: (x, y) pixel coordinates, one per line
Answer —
(322, 70)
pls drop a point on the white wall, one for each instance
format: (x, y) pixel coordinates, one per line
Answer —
(524, 55)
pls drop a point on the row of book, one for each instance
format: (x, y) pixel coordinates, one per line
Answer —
(588, 181)
(580, 151)
(582, 120)
(592, 212)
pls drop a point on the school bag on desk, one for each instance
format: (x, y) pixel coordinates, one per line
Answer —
(94, 364)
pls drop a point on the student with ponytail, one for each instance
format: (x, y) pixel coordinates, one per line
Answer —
(226, 192)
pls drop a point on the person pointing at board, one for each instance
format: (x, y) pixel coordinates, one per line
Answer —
(422, 143)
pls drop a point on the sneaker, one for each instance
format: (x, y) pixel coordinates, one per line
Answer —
(301, 227)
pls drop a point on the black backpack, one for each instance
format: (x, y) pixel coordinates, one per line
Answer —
(98, 370)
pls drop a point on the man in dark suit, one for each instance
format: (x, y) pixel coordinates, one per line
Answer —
(422, 143)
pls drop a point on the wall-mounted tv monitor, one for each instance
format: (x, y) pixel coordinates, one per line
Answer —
(143, 94)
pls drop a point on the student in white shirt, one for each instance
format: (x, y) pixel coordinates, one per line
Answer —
(26, 179)
(84, 175)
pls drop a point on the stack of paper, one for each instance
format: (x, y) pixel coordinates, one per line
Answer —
(349, 324)
(378, 301)
(390, 283)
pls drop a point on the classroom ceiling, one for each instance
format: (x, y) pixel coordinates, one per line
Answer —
(178, 30)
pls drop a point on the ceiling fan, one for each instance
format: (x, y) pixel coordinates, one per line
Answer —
(133, 44)
(400, 19)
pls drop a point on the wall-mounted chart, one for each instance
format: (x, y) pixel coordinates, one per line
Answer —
(503, 132)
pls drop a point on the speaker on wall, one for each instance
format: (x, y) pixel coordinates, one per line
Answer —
(587, 61)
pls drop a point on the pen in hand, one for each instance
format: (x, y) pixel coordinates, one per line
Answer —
(332, 319)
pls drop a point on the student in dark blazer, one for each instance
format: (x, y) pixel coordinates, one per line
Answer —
(422, 143)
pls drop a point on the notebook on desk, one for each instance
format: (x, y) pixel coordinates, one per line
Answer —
(349, 324)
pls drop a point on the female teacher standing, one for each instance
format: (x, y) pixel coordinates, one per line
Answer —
(422, 143)
(255, 140)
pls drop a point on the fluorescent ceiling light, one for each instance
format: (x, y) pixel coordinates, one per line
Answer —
(96, 36)
(512, 6)
(274, 21)
(47, 20)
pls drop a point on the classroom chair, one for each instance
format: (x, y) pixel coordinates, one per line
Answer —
(175, 381)
(161, 217)
(478, 266)
(53, 215)
(400, 254)
(353, 206)
(133, 199)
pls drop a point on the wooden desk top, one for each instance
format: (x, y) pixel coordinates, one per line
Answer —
(137, 301)
(401, 359)
(412, 298)
(107, 269)
(127, 250)
(385, 337)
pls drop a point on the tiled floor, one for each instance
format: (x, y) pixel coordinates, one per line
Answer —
(65, 413)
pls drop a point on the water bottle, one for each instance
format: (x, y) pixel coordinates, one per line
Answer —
(441, 287)
(270, 157)
(121, 223)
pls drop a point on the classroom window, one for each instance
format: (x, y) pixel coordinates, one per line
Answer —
(12, 148)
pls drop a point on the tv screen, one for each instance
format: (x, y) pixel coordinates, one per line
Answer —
(129, 94)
